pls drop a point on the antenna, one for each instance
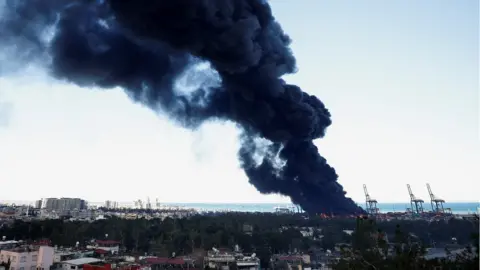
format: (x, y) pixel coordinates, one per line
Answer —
(415, 203)
(437, 203)
(370, 204)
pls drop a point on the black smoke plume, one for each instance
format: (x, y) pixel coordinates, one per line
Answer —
(144, 46)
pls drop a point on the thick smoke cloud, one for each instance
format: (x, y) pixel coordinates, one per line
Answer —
(145, 46)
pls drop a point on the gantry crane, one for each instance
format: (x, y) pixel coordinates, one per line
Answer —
(370, 204)
(437, 203)
(416, 203)
(149, 204)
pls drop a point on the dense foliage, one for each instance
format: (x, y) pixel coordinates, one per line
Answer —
(270, 233)
(370, 250)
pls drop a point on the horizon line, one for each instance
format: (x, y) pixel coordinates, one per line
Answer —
(247, 203)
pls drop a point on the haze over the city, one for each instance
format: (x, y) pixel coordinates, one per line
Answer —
(399, 77)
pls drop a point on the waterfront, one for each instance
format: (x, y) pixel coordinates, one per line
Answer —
(457, 207)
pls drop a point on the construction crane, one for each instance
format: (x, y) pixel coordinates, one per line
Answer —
(437, 203)
(370, 204)
(416, 203)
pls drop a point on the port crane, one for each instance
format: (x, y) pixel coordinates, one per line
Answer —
(138, 204)
(416, 203)
(370, 204)
(149, 204)
(437, 203)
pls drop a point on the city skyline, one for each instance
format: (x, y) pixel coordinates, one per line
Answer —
(400, 79)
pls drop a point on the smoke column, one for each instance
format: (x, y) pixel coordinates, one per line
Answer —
(144, 46)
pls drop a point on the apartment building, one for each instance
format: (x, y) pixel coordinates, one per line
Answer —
(28, 258)
(64, 204)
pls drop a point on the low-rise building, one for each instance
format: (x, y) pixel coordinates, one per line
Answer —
(110, 246)
(297, 262)
(158, 263)
(28, 258)
(230, 260)
(70, 254)
(9, 244)
(77, 264)
(108, 266)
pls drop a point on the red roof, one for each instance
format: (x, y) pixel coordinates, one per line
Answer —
(43, 242)
(107, 242)
(158, 260)
(101, 251)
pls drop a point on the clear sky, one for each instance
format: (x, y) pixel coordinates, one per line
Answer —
(400, 78)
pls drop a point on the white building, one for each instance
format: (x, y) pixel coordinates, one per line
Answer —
(60, 256)
(8, 244)
(25, 258)
(230, 260)
(68, 254)
(107, 245)
(77, 264)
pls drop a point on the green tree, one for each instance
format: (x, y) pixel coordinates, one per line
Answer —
(370, 251)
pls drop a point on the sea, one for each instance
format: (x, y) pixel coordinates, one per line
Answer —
(457, 207)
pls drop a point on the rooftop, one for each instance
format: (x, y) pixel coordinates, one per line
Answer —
(82, 261)
(8, 242)
(107, 242)
(23, 249)
(176, 261)
(289, 257)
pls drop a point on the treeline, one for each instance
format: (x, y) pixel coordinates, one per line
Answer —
(181, 236)
(370, 252)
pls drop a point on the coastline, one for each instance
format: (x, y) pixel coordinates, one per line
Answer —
(457, 207)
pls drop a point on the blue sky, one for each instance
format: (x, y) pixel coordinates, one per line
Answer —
(400, 78)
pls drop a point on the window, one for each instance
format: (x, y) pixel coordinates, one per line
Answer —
(21, 268)
(23, 259)
(14, 258)
(34, 258)
(72, 267)
(33, 267)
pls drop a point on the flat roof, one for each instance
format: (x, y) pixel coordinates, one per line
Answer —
(107, 242)
(8, 242)
(82, 261)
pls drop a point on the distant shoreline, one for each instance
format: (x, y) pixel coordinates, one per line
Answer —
(456, 207)
(361, 203)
